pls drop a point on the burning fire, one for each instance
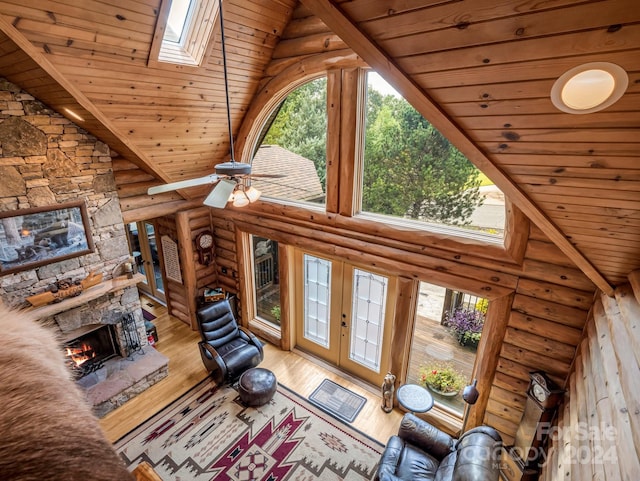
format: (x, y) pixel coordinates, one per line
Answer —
(81, 354)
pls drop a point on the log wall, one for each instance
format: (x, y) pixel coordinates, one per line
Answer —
(226, 254)
(598, 435)
(544, 326)
(175, 293)
(183, 228)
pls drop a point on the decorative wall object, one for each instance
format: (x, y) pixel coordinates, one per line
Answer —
(171, 259)
(34, 237)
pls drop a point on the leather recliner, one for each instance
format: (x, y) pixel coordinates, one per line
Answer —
(227, 350)
(421, 451)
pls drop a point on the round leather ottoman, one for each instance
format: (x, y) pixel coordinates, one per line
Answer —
(257, 386)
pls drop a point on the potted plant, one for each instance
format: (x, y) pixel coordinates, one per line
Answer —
(466, 325)
(442, 378)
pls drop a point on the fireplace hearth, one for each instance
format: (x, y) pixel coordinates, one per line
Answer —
(110, 363)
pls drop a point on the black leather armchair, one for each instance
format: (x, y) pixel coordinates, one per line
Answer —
(227, 349)
(421, 451)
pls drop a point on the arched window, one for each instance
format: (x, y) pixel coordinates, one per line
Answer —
(290, 162)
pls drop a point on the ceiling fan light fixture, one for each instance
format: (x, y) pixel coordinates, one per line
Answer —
(253, 194)
(590, 87)
(240, 199)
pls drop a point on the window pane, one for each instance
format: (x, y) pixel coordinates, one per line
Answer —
(413, 172)
(369, 299)
(266, 279)
(177, 20)
(317, 285)
(447, 330)
(294, 147)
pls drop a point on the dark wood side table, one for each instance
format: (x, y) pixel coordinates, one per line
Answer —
(233, 300)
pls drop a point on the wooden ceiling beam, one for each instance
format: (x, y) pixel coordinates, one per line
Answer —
(336, 19)
(95, 121)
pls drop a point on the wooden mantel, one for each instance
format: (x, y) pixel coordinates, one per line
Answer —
(90, 294)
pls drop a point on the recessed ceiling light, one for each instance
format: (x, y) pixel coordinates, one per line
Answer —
(71, 113)
(589, 87)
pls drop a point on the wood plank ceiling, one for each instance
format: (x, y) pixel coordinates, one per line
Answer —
(486, 67)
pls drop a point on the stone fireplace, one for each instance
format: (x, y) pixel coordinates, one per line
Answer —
(47, 160)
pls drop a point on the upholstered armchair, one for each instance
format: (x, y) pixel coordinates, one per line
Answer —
(421, 451)
(227, 349)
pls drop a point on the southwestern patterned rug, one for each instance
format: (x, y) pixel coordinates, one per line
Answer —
(208, 434)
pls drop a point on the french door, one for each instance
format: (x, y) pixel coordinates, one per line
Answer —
(344, 314)
(144, 249)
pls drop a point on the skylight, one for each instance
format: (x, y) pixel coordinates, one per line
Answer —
(183, 38)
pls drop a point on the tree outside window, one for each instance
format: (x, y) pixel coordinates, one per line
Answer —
(411, 170)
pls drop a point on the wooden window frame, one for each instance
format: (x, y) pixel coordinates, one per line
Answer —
(275, 335)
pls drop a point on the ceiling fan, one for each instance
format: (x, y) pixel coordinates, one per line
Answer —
(229, 177)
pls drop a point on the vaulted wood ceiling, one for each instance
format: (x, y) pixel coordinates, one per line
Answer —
(480, 70)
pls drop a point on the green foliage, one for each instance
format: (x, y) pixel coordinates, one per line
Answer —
(411, 170)
(301, 125)
(275, 312)
(441, 376)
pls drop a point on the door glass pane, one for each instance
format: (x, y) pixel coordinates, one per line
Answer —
(136, 251)
(157, 270)
(317, 298)
(367, 318)
(266, 279)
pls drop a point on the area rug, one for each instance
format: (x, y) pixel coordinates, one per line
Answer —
(337, 400)
(147, 315)
(209, 434)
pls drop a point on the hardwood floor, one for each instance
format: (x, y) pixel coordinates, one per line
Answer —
(296, 371)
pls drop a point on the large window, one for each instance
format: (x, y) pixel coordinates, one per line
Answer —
(411, 171)
(404, 171)
(294, 147)
(447, 331)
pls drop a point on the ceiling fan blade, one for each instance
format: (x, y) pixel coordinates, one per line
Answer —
(219, 196)
(181, 184)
